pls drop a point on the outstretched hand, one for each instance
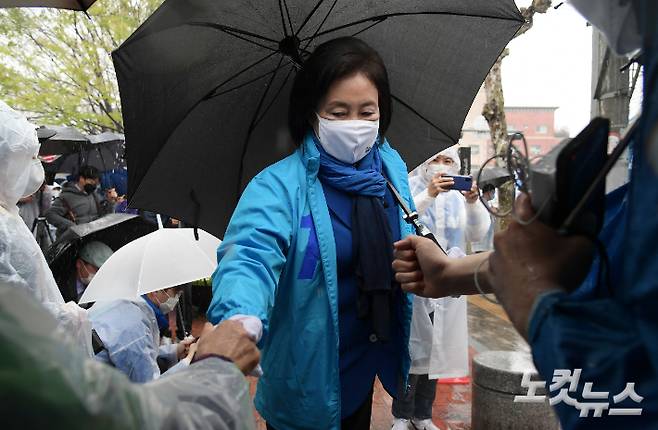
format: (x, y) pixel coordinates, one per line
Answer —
(419, 264)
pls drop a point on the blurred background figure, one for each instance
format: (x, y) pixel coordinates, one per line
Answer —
(78, 203)
(33, 210)
(439, 333)
(90, 259)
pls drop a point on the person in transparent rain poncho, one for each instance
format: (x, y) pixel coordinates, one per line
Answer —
(22, 264)
(439, 333)
(48, 380)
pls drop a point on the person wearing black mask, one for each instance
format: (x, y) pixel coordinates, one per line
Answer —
(78, 202)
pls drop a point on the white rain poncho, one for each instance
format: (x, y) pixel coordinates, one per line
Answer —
(22, 264)
(46, 382)
(131, 336)
(439, 348)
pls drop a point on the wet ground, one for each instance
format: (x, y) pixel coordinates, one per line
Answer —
(489, 329)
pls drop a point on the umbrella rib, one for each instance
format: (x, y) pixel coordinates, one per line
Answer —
(369, 27)
(317, 30)
(276, 95)
(285, 4)
(393, 15)
(308, 17)
(252, 124)
(421, 116)
(244, 84)
(229, 79)
(236, 33)
(283, 20)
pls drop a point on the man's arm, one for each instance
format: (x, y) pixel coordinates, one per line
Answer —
(56, 215)
(424, 270)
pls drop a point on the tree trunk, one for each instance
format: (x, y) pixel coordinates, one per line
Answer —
(494, 109)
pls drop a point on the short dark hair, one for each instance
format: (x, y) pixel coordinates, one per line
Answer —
(488, 187)
(89, 172)
(333, 60)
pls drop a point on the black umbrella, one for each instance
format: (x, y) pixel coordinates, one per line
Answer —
(495, 176)
(104, 152)
(114, 230)
(81, 5)
(204, 86)
(60, 140)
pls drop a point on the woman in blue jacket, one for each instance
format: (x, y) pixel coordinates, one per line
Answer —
(308, 250)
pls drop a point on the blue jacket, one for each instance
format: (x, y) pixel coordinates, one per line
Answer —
(271, 267)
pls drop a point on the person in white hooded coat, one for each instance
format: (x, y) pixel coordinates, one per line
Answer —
(22, 264)
(439, 333)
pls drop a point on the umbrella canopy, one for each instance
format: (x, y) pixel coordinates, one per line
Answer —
(159, 260)
(105, 152)
(106, 137)
(60, 140)
(205, 84)
(114, 230)
(81, 5)
(495, 176)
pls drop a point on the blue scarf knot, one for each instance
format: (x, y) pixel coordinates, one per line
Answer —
(371, 233)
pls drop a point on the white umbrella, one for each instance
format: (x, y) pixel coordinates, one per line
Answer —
(159, 260)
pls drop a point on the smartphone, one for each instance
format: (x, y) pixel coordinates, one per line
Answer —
(462, 183)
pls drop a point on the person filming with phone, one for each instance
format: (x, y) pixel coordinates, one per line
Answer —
(455, 217)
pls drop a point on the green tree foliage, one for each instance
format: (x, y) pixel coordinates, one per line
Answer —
(55, 65)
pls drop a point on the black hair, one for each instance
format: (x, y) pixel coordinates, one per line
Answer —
(336, 59)
(488, 187)
(89, 172)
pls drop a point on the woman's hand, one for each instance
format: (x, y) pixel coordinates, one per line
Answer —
(439, 184)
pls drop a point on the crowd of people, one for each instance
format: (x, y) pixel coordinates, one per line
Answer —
(323, 283)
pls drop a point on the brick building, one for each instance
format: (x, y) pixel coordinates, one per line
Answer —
(536, 123)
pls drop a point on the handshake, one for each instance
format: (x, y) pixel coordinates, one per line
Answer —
(228, 339)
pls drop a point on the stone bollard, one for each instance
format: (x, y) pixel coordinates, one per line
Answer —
(496, 380)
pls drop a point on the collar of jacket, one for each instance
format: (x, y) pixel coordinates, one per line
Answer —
(311, 156)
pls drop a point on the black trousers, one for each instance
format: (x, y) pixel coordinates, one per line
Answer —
(359, 420)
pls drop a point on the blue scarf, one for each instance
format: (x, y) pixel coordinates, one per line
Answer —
(371, 233)
(163, 320)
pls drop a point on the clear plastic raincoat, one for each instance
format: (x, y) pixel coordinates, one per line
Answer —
(22, 264)
(46, 382)
(129, 330)
(439, 347)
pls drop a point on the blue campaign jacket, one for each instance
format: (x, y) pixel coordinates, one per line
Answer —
(278, 266)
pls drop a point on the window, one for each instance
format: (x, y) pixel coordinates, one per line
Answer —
(542, 129)
(535, 150)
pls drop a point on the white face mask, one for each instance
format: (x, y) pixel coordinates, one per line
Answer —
(347, 140)
(86, 280)
(434, 169)
(169, 304)
(35, 181)
(616, 19)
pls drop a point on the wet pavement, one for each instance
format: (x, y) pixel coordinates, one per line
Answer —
(489, 329)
